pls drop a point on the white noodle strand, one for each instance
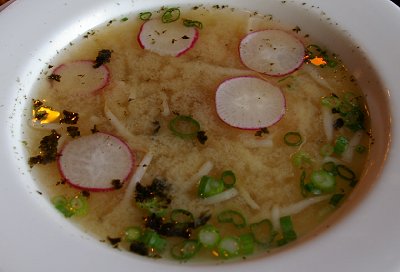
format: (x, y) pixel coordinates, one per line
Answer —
(301, 205)
(225, 195)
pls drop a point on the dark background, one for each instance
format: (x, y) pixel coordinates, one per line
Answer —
(397, 2)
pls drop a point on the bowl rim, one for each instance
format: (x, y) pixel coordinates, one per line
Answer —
(25, 46)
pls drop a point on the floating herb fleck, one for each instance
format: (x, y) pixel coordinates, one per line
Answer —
(103, 57)
(54, 77)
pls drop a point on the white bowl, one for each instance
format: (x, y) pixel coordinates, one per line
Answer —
(364, 235)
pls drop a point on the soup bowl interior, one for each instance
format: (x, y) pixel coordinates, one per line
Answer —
(356, 237)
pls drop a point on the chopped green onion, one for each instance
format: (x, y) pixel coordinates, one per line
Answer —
(331, 101)
(171, 15)
(287, 229)
(154, 241)
(346, 173)
(209, 236)
(341, 145)
(302, 183)
(185, 249)
(301, 159)
(234, 217)
(78, 204)
(132, 234)
(323, 181)
(310, 187)
(246, 243)
(61, 204)
(145, 15)
(229, 247)
(360, 149)
(69, 207)
(191, 23)
(326, 150)
(184, 126)
(228, 178)
(335, 199)
(263, 232)
(330, 167)
(210, 186)
(350, 98)
(293, 138)
(181, 216)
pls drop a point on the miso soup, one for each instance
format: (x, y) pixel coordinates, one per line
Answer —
(204, 133)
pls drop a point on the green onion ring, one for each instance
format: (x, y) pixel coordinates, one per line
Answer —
(330, 167)
(186, 120)
(185, 249)
(179, 216)
(145, 15)
(171, 15)
(229, 178)
(345, 173)
(293, 138)
(191, 23)
(234, 217)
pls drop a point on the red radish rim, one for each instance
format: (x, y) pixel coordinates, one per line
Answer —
(194, 40)
(301, 60)
(94, 189)
(252, 128)
(97, 90)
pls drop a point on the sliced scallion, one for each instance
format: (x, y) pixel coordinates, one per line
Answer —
(232, 216)
(330, 167)
(301, 159)
(288, 231)
(61, 204)
(210, 186)
(293, 138)
(228, 178)
(246, 244)
(184, 126)
(263, 232)
(229, 247)
(335, 199)
(302, 183)
(331, 101)
(185, 249)
(181, 216)
(154, 241)
(132, 234)
(323, 181)
(326, 150)
(209, 236)
(341, 145)
(78, 204)
(171, 15)
(145, 15)
(346, 173)
(360, 149)
(191, 23)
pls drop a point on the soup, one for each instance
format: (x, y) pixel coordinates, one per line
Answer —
(206, 132)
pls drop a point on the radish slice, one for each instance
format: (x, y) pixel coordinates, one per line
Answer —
(272, 52)
(80, 77)
(93, 162)
(249, 103)
(167, 39)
